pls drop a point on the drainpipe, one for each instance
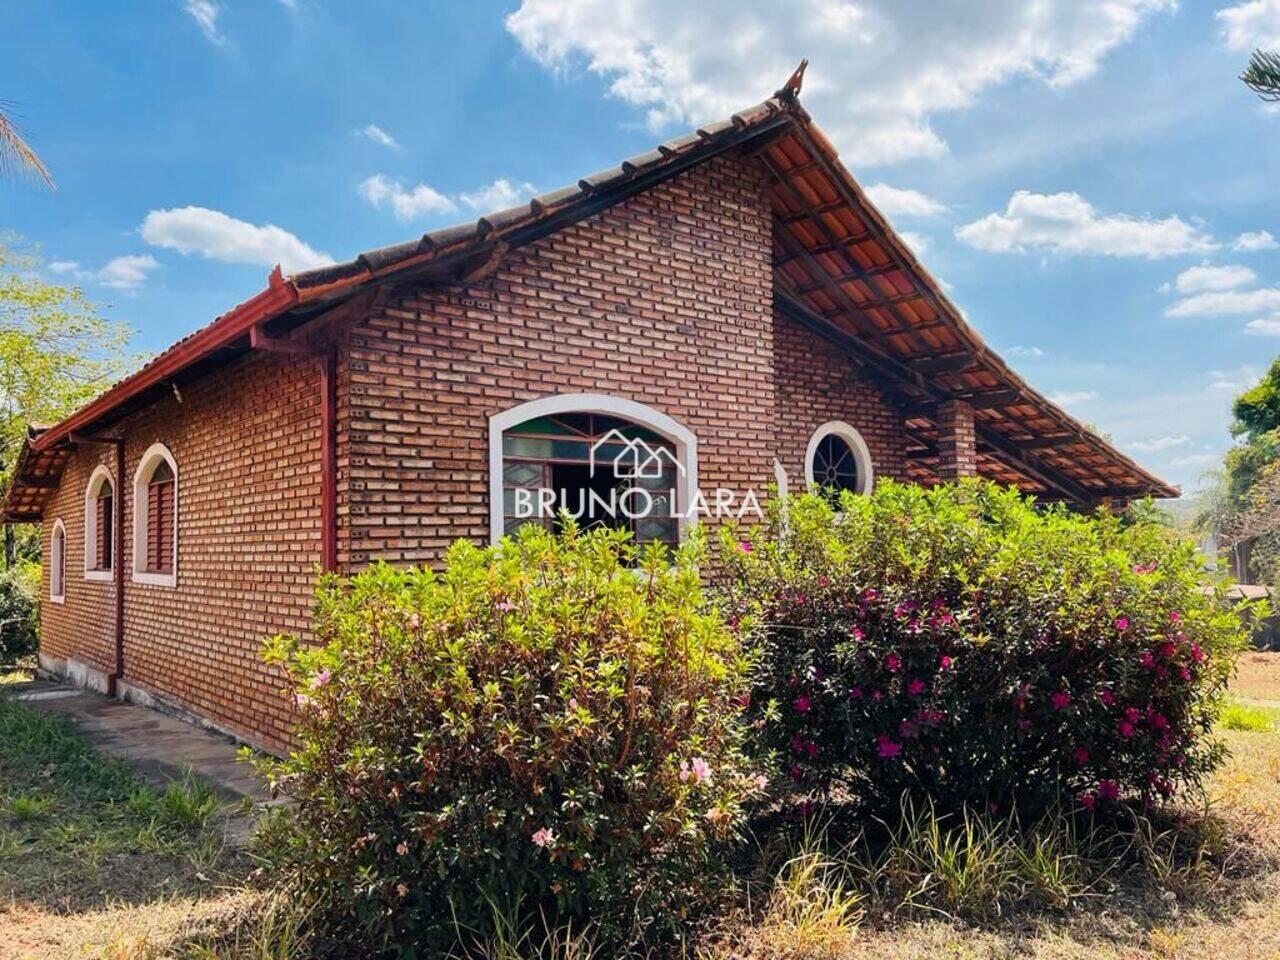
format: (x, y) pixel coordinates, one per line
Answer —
(117, 553)
(328, 363)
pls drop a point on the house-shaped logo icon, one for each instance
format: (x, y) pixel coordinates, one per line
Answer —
(636, 460)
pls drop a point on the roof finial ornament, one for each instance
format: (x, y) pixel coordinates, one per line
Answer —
(791, 89)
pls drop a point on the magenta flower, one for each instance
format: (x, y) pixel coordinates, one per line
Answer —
(746, 546)
(1122, 624)
(1132, 714)
(1081, 755)
(945, 662)
(893, 663)
(886, 747)
(802, 705)
(1088, 800)
(857, 633)
(320, 679)
(1060, 699)
(1175, 616)
(916, 687)
(1108, 790)
(1125, 728)
(1197, 655)
(1147, 660)
(543, 838)
(856, 693)
(1106, 697)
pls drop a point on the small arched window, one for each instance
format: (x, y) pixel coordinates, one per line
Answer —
(155, 518)
(58, 563)
(99, 525)
(838, 459)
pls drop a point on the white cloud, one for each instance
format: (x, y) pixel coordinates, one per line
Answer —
(1195, 459)
(126, 273)
(411, 204)
(1248, 26)
(899, 202)
(1066, 223)
(1254, 241)
(1205, 277)
(497, 196)
(216, 236)
(1156, 444)
(918, 242)
(205, 13)
(1225, 302)
(881, 69)
(64, 266)
(379, 136)
(1264, 326)
(1067, 398)
(1020, 351)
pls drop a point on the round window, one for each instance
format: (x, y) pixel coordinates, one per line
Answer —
(834, 464)
(838, 459)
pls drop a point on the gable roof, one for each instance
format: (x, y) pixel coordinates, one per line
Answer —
(839, 269)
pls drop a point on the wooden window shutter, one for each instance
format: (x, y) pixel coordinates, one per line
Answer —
(102, 549)
(160, 520)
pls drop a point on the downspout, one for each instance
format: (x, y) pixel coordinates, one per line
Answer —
(328, 363)
(114, 680)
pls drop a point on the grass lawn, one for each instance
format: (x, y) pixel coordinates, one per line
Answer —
(93, 863)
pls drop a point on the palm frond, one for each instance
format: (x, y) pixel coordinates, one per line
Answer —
(17, 153)
(1262, 75)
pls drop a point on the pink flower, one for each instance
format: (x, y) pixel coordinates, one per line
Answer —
(1197, 655)
(802, 705)
(1175, 616)
(916, 687)
(886, 747)
(856, 693)
(1144, 568)
(857, 633)
(301, 700)
(504, 605)
(543, 837)
(701, 770)
(758, 780)
(402, 848)
(945, 662)
(1147, 660)
(1088, 801)
(1081, 755)
(573, 703)
(320, 679)
(870, 594)
(746, 546)
(1132, 714)
(1106, 697)
(1125, 728)
(893, 663)
(1060, 699)
(1122, 624)
(1108, 790)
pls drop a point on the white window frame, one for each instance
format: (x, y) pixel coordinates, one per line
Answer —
(680, 437)
(58, 557)
(99, 476)
(866, 471)
(141, 477)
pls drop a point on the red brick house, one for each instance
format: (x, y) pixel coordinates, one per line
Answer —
(730, 296)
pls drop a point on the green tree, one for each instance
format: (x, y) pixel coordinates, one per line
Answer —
(1262, 75)
(16, 154)
(55, 354)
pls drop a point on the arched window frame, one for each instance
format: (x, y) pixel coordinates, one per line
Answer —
(58, 562)
(99, 476)
(866, 470)
(681, 438)
(155, 454)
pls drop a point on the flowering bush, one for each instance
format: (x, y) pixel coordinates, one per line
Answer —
(542, 728)
(965, 645)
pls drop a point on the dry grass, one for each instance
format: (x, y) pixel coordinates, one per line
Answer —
(1258, 678)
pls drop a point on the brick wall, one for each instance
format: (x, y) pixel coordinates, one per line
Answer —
(665, 299)
(246, 442)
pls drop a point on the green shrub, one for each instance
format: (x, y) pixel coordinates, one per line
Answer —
(541, 728)
(963, 645)
(19, 611)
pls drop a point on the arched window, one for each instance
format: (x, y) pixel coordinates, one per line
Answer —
(606, 460)
(99, 525)
(155, 518)
(838, 459)
(58, 563)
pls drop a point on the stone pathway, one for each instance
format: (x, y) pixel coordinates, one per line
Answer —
(159, 746)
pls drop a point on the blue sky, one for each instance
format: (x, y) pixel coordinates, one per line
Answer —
(1079, 174)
